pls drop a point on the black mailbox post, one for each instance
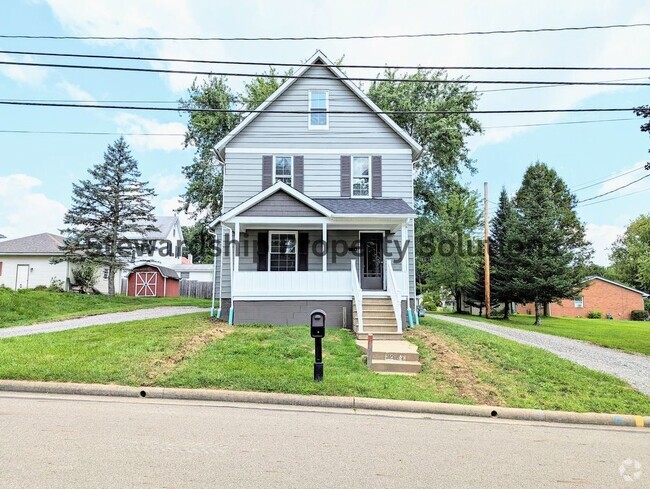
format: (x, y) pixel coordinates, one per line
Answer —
(318, 333)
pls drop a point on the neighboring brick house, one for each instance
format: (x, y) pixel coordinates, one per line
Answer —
(600, 294)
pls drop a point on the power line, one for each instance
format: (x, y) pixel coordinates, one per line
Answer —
(354, 66)
(357, 112)
(608, 179)
(88, 133)
(614, 198)
(615, 190)
(327, 38)
(561, 123)
(267, 75)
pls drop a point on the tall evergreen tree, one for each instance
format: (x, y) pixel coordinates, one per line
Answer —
(551, 250)
(501, 247)
(475, 292)
(111, 203)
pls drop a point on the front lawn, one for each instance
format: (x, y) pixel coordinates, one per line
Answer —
(34, 306)
(630, 336)
(460, 365)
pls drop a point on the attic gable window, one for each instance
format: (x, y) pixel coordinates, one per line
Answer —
(283, 170)
(318, 107)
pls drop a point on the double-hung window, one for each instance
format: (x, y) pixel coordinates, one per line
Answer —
(361, 176)
(283, 169)
(579, 302)
(283, 252)
(318, 107)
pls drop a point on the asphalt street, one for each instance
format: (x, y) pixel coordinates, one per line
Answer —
(74, 441)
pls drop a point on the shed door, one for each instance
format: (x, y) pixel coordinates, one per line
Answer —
(22, 276)
(145, 284)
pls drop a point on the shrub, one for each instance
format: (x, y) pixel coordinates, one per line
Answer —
(84, 276)
(639, 315)
(56, 286)
(595, 315)
(41, 288)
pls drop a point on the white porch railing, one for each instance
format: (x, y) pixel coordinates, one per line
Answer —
(292, 285)
(358, 297)
(395, 296)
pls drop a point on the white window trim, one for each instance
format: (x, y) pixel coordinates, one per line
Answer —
(271, 233)
(369, 196)
(327, 108)
(579, 300)
(275, 157)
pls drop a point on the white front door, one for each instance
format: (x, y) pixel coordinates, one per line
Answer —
(22, 276)
(145, 284)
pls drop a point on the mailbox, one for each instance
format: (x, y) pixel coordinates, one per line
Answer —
(318, 323)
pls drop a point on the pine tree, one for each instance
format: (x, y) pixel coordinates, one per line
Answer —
(475, 292)
(549, 256)
(501, 247)
(105, 207)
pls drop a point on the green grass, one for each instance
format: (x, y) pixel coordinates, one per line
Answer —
(114, 354)
(34, 306)
(474, 367)
(629, 336)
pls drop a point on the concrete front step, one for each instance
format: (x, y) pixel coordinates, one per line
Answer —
(391, 350)
(396, 367)
(379, 336)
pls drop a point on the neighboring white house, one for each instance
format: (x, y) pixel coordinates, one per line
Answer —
(163, 247)
(25, 262)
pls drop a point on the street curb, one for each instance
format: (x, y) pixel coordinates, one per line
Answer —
(353, 403)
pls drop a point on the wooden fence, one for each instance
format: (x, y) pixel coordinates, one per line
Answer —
(194, 288)
(188, 288)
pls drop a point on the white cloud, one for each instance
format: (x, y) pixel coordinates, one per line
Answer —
(163, 184)
(25, 211)
(75, 92)
(625, 177)
(165, 136)
(26, 75)
(169, 207)
(602, 236)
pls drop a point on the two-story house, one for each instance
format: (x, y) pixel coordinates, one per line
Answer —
(318, 209)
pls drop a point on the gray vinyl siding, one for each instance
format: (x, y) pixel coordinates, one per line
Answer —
(281, 204)
(345, 130)
(322, 171)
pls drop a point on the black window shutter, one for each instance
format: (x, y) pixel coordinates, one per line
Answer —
(376, 176)
(345, 176)
(267, 171)
(303, 252)
(262, 251)
(299, 173)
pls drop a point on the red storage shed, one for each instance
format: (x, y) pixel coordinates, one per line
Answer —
(150, 280)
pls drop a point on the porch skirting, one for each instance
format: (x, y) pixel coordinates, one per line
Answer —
(285, 313)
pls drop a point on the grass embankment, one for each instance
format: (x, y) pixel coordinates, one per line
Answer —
(629, 336)
(459, 364)
(33, 306)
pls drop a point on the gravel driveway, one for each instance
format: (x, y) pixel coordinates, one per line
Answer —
(100, 319)
(634, 369)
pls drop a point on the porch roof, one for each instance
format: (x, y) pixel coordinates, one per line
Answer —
(367, 206)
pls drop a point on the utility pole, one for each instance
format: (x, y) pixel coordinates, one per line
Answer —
(486, 250)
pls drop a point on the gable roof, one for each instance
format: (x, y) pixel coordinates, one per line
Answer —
(164, 225)
(276, 187)
(37, 244)
(318, 58)
(618, 284)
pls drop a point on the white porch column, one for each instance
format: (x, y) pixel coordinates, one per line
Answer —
(325, 250)
(236, 247)
(405, 264)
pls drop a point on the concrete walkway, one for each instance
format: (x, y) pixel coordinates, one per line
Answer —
(97, 320)
(634, 369)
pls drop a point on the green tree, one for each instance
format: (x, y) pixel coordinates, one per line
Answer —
(630, 255)
(501, 248)
(442, 136)
(261, 88)
(475, 292)
(84, 276)
(199, 242)
(448, 254)
(551, 250)
(112, 203)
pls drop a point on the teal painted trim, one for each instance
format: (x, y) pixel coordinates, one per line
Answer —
(219, 313)
(410, 316)
(231, 315)
(417, 319)
(212, 312)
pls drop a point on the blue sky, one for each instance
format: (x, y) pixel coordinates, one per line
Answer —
(37, 170)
